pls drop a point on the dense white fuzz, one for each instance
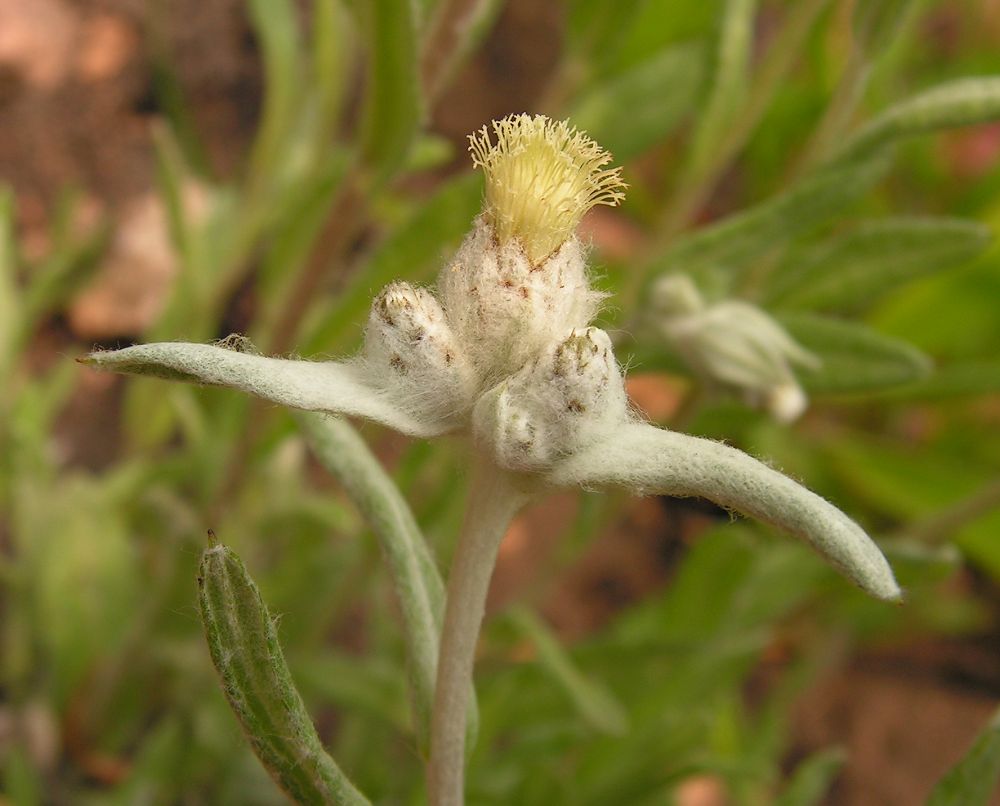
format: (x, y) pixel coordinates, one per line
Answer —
(411, 353)
(541, 177)
(504, 309)
(554, 405)
(650, 460)
(732, 344)
(330, 386)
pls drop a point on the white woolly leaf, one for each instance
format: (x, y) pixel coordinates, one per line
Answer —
(333, 387)
(650, 460)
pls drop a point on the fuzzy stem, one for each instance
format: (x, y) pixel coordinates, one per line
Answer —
(493, 502)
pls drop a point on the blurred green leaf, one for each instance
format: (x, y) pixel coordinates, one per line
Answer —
(595, 703)
(811, 779)
(959, 380)
(877, 22)
(973, 780)
(743, 236)
(957, 103)
(851, 271)
(414, 251)
(277, 29)
(729, 82)
(854, 357)
(393, 105)
(636, 109)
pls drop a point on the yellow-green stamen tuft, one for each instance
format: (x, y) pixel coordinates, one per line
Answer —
(541, 177)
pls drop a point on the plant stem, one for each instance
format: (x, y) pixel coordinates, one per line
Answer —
(493, 501)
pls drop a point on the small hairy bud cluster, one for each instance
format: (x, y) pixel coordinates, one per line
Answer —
(517, 285)
(554, 405)
(504, 309)
(541, 177)
(411, 349)
(733, 344)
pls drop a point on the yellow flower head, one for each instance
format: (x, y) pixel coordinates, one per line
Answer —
(541, 177)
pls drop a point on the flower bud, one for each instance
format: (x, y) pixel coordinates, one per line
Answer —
(503, 309)
(555, 405)
(733, 344)
(411, 351)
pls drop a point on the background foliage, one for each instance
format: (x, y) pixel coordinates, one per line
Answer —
(812, 157)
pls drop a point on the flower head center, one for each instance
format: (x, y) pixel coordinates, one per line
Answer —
(542, 176)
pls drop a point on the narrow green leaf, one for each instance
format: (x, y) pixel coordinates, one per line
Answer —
(414, 251)
(855, 358)
(636, 109)
(414, 574)
(734, 241)
(876, 23)
(957, 103)
(330, 60)
(274, 22)
(973, 780)
(853, 270)
(812, 778)
(596, 704)
(393, 106)
(953, 380)
(729, 82)
(244, 646)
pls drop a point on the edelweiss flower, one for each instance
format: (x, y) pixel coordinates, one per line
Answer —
(504, 355)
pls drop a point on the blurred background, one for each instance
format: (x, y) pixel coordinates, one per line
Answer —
(186, 170)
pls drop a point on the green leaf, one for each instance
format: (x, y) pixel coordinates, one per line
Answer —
(956, 103)
(851, 271)
(973, 780)
(414, 252)
(729, 82)
(244, 646)
(275, 24)
(393, 105)
(811, 779)
(876, 23)
(953, 381)
(415, 576)
(734, 241)
(855, 358)
(636, 109)
(595, 703)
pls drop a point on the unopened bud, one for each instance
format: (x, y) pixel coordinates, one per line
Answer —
(504, 309)
(733, 344)
(410, 350)
(555, 405)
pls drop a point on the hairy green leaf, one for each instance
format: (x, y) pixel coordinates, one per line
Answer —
(244, 646)
(851, 271)
(957, 103)
(855, 358)
(735, 240)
